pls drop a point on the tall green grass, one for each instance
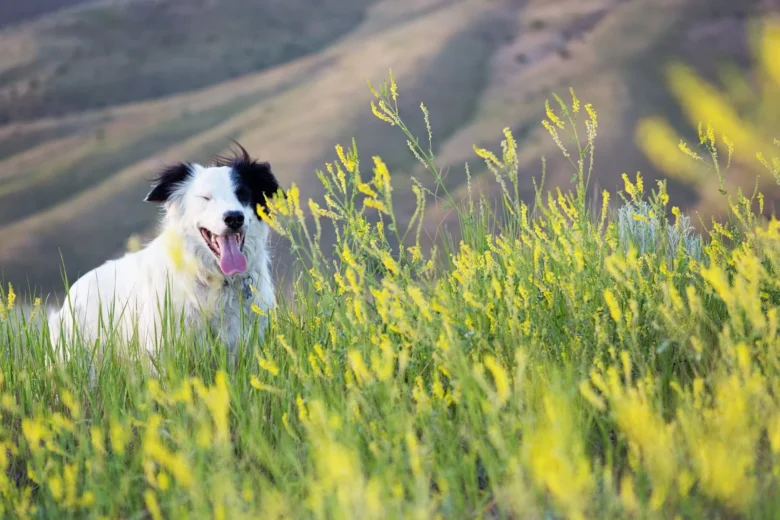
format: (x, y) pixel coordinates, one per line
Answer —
(560, 361)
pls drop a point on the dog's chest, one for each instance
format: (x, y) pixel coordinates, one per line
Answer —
(223, 306)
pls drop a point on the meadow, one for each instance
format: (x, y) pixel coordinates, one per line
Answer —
(570, 357)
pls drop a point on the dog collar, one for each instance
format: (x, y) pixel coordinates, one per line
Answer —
(245, 285)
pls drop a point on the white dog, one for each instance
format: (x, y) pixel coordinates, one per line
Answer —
(209, 265)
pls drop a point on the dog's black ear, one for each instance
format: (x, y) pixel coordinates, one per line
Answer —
(258, 177)
(167, 181)
(255, 176)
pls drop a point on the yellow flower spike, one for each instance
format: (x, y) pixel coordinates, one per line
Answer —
(413, 447)
(701, 101)
(729, 149)
(366, 190)
(381, 115)
(710, 136)
(359, 368)
(98, 444)
(150, 500)
(355, 281)
(556, 459)
(575, 103)
(303, 414)
(218, 402)
(377, 205)
(163, 482)
(554, 119)
(31, 474)
(677, 214)
(660, 142)
(629, 187)
(773, 432)
(500, 379)
(591, 113)
(437, 389)
(347, 161)
(393, 86)
(60, 423)
(663, 196)
(372, 89)
(604, 206)
(34, 433)
(613, 306)
(87, 499)
(690, 153)
(268, 365)
(183, 394)
(55, 487)
(419, 300)
(70, 474)
(389, 263)
(626, 362)
(381, 173)
(175, 463)
(268, 219)
(685, 482)
(348, 257)
(510, 148)
(487, 155)
(255, 383)
(627, 494)
(119, 436)
(10, 297)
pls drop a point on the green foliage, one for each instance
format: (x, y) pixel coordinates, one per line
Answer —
(554, 364)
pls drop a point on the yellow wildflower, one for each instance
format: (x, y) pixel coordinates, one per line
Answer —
(150, 499)
(612, 304)
(554, 119)
(268, 365)
(10, 297)
(500, 379)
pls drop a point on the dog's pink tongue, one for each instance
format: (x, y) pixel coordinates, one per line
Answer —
(232, 260)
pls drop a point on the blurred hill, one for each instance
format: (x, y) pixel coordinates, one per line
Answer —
(95, 97)
(12, 12)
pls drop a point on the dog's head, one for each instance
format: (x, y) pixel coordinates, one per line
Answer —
(214, 207)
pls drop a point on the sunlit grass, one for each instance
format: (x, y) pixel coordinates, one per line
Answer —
(561, 361)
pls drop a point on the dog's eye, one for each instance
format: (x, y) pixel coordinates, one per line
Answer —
(205, 198)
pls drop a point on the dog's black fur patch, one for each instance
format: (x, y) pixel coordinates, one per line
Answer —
(167, 181)
(254, 180)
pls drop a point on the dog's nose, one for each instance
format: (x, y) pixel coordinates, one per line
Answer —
(234, 219)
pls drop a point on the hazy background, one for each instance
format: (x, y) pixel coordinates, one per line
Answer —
(96, 95)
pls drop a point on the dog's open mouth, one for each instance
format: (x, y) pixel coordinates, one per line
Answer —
(229, 250)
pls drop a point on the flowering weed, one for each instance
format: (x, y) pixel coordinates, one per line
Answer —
(561, 361)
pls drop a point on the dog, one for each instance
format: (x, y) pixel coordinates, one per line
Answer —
(208, 269)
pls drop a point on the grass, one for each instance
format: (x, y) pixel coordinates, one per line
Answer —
(562, 360)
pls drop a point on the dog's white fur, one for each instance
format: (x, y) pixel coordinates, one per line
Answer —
(124, 297)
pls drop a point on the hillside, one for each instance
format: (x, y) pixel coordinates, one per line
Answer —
(14, 12)
(105, 53)
(75, 156)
